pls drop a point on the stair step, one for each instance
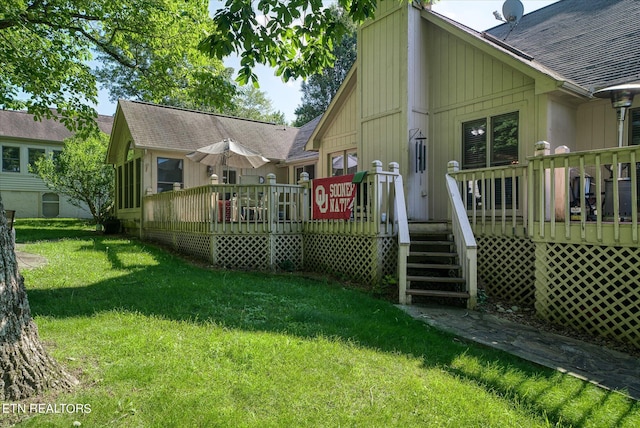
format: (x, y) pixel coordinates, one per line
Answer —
(432, 254)
(426, 242)
(438, 293)
(441, 279)
(432, 266)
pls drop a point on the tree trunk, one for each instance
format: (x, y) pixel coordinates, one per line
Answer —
(25, 367)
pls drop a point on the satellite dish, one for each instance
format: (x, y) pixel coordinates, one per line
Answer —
(512, 10)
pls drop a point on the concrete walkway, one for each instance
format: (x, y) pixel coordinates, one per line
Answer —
(28, 260)
(604, 367)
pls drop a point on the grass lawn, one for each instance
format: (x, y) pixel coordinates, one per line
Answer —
(158, 342)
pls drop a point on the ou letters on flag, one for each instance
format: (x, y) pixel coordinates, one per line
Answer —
(333, 197)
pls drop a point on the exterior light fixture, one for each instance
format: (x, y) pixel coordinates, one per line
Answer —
(621, 97)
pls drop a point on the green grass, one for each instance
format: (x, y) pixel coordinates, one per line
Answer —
(158, 342)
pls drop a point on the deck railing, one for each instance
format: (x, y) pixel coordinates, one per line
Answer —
(589, 196)
(276, 208)
(466, 246)
(494, 198)
(228, 208)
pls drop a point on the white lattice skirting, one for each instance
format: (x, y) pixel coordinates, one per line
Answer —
(506, 267)
(359, 258)
(251, 252)
(590, 288)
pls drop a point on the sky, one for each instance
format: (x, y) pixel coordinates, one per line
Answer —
(285, 97)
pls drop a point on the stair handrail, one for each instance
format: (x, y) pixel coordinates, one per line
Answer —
(465, 241)
(400, 214)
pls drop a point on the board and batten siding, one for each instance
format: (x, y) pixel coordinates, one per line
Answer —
(468, 84)
(341, 133)
(598, 125)
(382, 85)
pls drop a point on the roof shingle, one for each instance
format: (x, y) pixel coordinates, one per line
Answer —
(154, 126)
(592, 43)
(22, 125)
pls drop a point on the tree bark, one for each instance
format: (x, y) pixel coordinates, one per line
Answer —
(26, 369)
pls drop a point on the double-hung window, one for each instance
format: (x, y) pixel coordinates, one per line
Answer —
(10, 159)
(169, 172)
(343, 163)
(488, 142)
(634, 127)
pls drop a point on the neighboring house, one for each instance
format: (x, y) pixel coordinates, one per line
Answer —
(149, 144)
(300, 160)
(22, 140)
(426, 90)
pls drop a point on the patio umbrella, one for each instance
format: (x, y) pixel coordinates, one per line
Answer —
(228, 153)
(352, 161)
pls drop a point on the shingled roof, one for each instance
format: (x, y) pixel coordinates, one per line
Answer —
(22, 125)
(297, 152)
(160, 127)
(592, 43)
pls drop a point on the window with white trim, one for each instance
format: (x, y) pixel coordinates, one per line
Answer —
(491, 141)
(488, 142)
(10, 159)
(169, 172)
(338, 165)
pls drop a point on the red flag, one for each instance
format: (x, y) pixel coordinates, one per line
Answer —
(333, 197)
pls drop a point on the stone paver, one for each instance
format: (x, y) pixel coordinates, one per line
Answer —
(604, 367)
(28, 260)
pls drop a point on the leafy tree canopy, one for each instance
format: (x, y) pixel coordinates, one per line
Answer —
(318, 90)
(296, 37)
(80, 173)
(143, 49)
(252, 103)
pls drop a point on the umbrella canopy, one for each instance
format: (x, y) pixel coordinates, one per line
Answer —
(352, 161)
(228, 153)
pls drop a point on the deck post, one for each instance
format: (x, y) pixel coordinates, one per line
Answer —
(562, 184)
(305, 202)
(543, 148)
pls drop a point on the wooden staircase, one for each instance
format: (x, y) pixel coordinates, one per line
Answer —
(433, 271)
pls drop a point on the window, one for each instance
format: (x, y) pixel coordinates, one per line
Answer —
(340, 167)
(634, 127)
(55, 154)
(169, 172)
(50, 205)
(34, 155)
(128, 179)
(10, 159)
(488, 142)
(229, 176)
(484, 147)
(309, 169)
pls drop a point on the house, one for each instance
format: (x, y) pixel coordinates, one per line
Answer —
(299, 159)
(421, 80)
(149, 144)
(22, 140)
(495, 140)
(542, 179)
